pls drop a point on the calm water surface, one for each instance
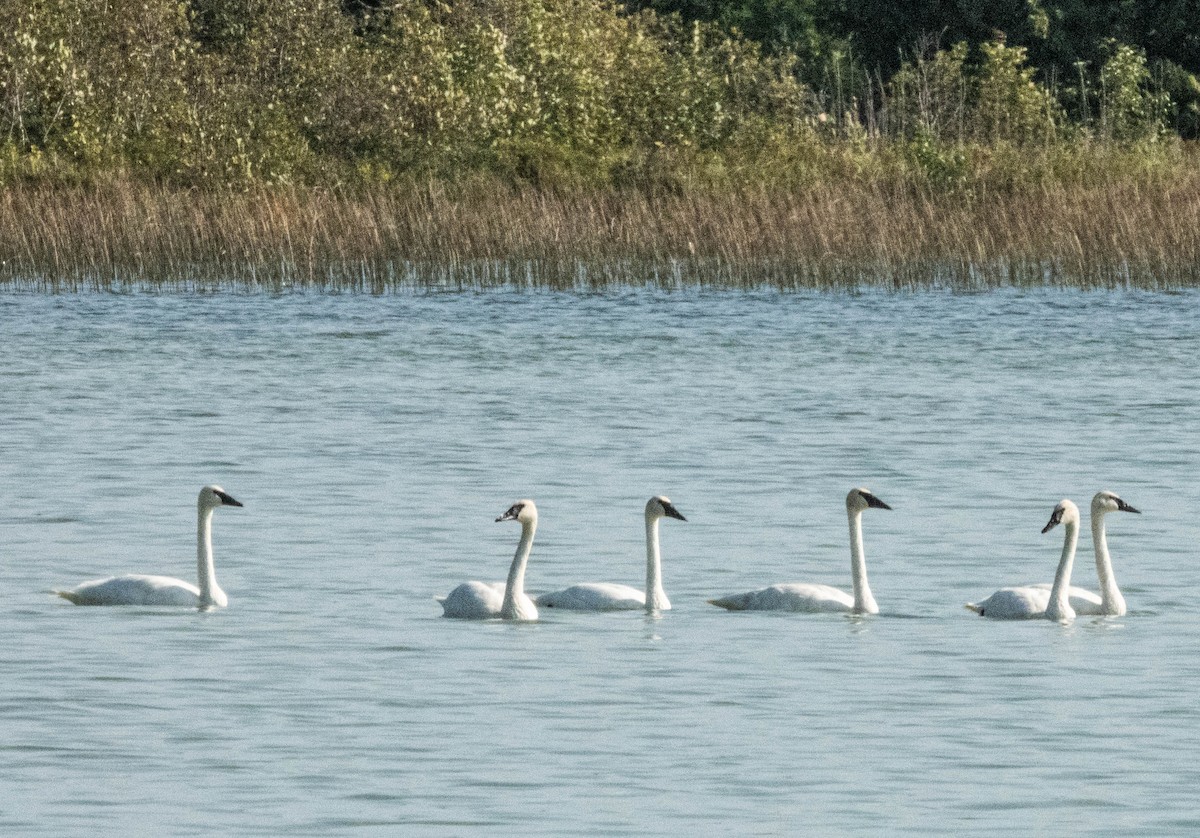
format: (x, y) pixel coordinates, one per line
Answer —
(374, 440)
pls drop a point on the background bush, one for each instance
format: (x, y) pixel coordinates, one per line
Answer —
(228, 93)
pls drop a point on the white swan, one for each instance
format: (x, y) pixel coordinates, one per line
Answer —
(607, 596)
(508, 601)
(140, 589)
(1025, 602)
(1109, 603)
(797, 596)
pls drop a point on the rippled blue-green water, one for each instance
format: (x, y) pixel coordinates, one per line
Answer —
(374, 440)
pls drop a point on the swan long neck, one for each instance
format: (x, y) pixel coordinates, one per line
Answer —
(514, 589)
(1113, 602)
(656, 597)
(864, 600)
(210, 591)
(1059, 606)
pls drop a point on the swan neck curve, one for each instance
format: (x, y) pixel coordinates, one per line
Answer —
(1113, 602)
(514, 588)
(210, 591)
(1059, 606)
(656, 597)
(864, 600)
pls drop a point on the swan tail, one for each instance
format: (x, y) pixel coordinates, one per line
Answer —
(973, 606)
(70, 596)
(727, 604)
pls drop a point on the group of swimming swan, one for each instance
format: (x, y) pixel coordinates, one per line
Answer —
(1057, 601)
(1060, 600)
(508, 601)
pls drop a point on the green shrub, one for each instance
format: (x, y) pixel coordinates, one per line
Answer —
(1129, 110)
(1010, 106)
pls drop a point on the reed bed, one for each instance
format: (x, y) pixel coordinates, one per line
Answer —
(125, 235)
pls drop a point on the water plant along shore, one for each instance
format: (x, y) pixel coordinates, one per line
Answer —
(1125, 233)
(575, 143)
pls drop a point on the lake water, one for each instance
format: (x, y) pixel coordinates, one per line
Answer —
(374, 440)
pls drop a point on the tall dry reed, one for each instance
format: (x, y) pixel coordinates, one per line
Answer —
(849, 235)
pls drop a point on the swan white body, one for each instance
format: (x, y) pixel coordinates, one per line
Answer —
(507, 601)
(1026, 602)
(608, 596)
(1109, 602)
(141, 589)
(809, 597)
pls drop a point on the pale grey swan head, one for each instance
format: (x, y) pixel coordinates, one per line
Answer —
(1065, 512)
(660, 506)
(1106, 501)
(523, 511)
(860, 499)
(212, 497)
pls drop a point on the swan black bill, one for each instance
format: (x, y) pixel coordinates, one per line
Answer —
(873, 502)
(1124, 507)
(227, 499)
(1055, 520)
(671, 511)
(512, 513)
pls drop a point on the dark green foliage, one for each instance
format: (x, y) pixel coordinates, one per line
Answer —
(568, 92)
(1060, 36)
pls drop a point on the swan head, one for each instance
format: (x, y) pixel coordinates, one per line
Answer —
(1105, 502)
(860, 499)
(523, 511)
(213, 496)
(660, 506)
(1066, 512)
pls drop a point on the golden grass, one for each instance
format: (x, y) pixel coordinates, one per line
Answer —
(1127, 232)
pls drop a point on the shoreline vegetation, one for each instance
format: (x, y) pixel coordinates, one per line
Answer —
(578, 144)
(1123, 234)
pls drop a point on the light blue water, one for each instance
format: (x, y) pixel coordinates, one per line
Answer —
(374, 440)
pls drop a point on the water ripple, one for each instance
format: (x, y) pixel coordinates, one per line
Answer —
(374, 440)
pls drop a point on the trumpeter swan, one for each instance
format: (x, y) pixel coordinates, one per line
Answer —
(508, 601)
(608, 596)
(1025, 602)
(140, 589)
(1109, 602)
(799, 596)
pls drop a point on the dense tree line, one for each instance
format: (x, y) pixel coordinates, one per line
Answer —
(1065, 40)
(561, 91)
